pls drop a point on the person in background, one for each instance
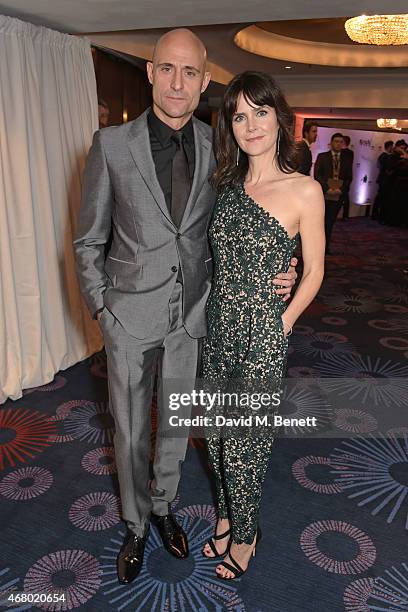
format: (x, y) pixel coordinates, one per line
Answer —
(397, 205)
(394, 158)
(389, 180)
(346, 151)
(334, 174)
(383, 157)
(304, 154)
(103, 113)
(347, 154)
(381, 178)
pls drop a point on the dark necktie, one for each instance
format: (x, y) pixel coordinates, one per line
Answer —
(336, 165)
(180, 180)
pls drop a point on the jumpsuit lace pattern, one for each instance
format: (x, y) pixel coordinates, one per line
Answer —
(245, 345)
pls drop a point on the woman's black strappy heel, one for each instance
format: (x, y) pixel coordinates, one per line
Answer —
(211, 544)
(234, 567)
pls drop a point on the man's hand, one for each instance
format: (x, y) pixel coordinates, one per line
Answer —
(99, 314)
(286, 280)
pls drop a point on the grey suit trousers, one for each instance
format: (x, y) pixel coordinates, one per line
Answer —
(131, 370)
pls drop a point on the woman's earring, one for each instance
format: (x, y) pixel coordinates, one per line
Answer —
(277, 144)
(237, 162)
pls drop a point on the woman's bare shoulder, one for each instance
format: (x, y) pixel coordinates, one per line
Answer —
(296, 178)
(308, 185)
(302, 185)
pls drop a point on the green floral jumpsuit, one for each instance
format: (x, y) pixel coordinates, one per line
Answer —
(245, 344)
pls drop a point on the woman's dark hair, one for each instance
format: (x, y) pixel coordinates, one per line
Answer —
(259, 89)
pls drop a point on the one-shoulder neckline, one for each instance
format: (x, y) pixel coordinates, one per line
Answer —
(267, 214)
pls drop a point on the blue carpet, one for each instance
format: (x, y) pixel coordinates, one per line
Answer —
(334, 511)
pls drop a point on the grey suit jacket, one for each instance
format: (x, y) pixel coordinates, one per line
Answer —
(120, 192)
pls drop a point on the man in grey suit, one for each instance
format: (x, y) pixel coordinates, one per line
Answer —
(147, 181)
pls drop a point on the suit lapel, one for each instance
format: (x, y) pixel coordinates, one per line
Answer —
(202, 147)
(139, 145)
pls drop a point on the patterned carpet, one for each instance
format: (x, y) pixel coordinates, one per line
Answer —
(334, 511)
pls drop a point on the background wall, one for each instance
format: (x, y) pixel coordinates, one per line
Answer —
(124, 86)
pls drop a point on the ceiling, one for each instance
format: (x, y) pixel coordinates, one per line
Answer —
(330, 30)
(319, 42)
(77, 16)
(228, 59)
(304, 84)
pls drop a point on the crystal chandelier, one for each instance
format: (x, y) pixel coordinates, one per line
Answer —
(378, 29)
(387, 123)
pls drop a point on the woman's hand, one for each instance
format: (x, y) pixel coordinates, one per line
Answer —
(287, 329)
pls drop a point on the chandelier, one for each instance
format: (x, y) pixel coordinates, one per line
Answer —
(378, 29)
(387, 123)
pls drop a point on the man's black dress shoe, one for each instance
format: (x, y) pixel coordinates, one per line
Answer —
(173, 537)
(130, 557)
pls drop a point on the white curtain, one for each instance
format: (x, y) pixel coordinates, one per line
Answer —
(48, 113)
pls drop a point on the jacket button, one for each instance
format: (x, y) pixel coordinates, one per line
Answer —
(178, 236)
(174, 269)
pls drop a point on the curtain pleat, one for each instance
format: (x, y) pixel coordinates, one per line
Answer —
(48, 114)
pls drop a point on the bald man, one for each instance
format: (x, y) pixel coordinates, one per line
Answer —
(147, 180)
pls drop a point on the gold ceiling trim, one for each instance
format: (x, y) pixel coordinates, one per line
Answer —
(267, 44)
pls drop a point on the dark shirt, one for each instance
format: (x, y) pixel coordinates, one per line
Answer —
(164, 149)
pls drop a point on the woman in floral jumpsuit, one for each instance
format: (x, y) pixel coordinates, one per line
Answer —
(246, 346)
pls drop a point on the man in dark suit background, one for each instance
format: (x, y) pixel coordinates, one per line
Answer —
(346, 151)
(348, 155)
(393, 159)
(391, 165)
(334, 174)
(383, 158)
(382, 162)
(304, 154)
